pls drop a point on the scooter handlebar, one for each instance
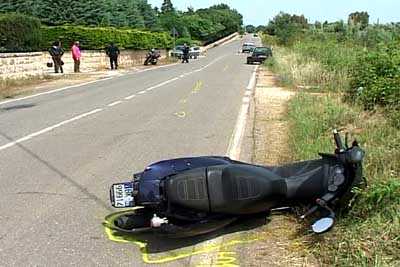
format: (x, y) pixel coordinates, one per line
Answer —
(338, 141)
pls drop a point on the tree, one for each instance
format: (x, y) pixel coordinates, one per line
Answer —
(207, 24)
(19, 33)
(300, 20)
(58, 12)
(287, 27)
(261, 28)
(120, 13)
(250, 28)
(359, 18)
(221, 6)
(167, 7)
(149, 14)
(126, 13)
(190, 11)
(20, 6)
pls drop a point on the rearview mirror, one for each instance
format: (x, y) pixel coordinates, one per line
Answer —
(323, 225)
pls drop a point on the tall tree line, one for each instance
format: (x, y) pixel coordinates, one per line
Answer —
(206, 24)
(119, 13)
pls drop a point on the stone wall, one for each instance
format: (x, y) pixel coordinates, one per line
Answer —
(25, 65)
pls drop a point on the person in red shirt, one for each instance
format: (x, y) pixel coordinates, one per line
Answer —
(76, 56)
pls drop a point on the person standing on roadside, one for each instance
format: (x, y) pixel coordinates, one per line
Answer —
(76, 56)
(56, 52)
(113, 52)
(185, 56)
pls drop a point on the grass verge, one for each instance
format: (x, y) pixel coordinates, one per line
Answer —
(369, 235)
(12, 87)
(301, 71)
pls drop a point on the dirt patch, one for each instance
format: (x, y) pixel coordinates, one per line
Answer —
(280, 243)
(270, 129)
(17, 88)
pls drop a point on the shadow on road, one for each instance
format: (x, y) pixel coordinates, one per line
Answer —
(23, 106)
(155, 243)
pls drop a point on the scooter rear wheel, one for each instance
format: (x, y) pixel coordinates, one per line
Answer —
(132, 222)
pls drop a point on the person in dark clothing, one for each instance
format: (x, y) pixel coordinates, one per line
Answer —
(185, 56)
(113, 52)
(56, 53)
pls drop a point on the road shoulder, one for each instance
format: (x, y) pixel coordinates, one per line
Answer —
(279, 242)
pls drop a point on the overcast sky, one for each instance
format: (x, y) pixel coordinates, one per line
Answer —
(259, 12)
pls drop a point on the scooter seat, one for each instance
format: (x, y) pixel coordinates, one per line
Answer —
(230, 189)
(243, 189)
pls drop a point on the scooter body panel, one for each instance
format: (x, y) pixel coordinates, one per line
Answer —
(149, 180)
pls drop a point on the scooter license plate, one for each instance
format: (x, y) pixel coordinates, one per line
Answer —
(121, 195)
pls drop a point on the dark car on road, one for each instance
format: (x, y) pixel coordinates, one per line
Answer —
(259, 54)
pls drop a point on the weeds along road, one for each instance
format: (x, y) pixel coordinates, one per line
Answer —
(60, 152)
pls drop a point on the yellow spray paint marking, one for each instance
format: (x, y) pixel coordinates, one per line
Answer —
(181, 114)
(226, 68)
(197, 87)
(225, 259)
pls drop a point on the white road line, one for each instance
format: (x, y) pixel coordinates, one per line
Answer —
(130, 97)
(246, 100)
(252, 81)
(53, 91)
(114, 103)
(79, 85)
(87, 83)
(156, 68)
(48, 129)
(237, 137)
(161, 84)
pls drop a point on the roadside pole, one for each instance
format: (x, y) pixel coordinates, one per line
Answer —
(174, 33)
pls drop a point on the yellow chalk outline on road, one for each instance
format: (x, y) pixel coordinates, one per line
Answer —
(178, 255)
(197, 87)
(181, 114)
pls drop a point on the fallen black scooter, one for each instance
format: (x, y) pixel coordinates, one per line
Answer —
(192, 196)
(152, 58)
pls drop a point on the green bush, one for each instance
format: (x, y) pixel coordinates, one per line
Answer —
(188, 41)
(376, 77)
(334, 55)
(99, 38)
(369, 234)
(19, 33)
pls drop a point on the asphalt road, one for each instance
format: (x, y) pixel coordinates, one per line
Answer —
(60, 152)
